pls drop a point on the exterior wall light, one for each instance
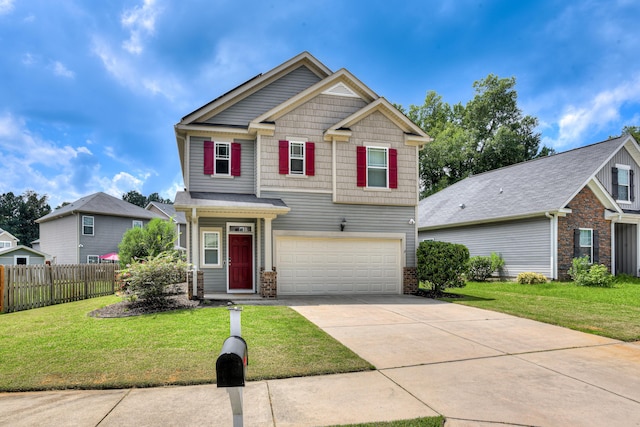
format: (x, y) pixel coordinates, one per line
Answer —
(343, 224)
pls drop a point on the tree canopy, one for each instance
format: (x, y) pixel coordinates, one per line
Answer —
(19, 213)
(487, 133)
(138, 199)
(140, 243)
(633, 131)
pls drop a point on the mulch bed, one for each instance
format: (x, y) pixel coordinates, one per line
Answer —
(177, 300)
(430, 293)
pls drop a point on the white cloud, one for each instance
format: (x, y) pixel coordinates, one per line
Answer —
(141, 21)
(125, 71)
(6, 6)
(29, 59)
(596, 113)
(59, 69)
(119, 184)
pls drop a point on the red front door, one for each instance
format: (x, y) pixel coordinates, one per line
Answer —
(240, 262)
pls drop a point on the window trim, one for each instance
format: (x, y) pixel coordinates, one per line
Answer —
(4, 244)
(203, 231)
(626, 168)
(303, 158)
(386, 167)
(590, 230)
(93, 225)
(137, 223)
(16, 257)
(97, 257)
(216, 146)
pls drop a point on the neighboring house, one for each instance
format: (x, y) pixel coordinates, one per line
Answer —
(168, 212)
(541, 214)
(7, 240)
(300, 181)
(80, 232)
(22, 255)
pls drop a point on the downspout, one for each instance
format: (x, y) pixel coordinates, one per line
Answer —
(553, 244)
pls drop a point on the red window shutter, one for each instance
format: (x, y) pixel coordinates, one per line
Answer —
(208, 157)
(393, 168)
(361, 160)
(284, 157)
(235, 158)
(310, 158)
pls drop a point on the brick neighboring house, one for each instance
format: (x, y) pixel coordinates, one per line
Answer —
(300, 181)
(541, 214)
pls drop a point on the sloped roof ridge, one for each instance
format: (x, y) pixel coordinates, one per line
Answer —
(554, 156)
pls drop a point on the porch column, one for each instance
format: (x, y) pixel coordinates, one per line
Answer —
(268, 246)
(195, 249)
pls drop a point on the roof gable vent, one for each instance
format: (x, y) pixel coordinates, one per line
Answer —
(340, 89)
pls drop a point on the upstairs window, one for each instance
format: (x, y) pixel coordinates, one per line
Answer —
(222, 158)
(296, 158)
(377, 167)
(623, 186)
(4, 245)
(87, 226)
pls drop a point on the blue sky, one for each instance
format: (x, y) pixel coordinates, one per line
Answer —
(90, 90)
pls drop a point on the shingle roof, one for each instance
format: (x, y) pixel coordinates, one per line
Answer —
(536, 186)
(170, 211)
(101, 204)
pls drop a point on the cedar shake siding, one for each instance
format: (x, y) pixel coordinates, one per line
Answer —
(586, 212)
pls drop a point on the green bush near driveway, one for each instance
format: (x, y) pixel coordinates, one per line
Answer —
(610, 312)
(61, 347)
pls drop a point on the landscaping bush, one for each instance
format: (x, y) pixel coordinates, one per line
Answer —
(442, 265)
(482, 267)
(147, 280)
(585, 274)
(530, 278)
(138, 243)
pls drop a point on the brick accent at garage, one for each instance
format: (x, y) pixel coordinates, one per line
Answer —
(586, 212)
(410, 280)
(268, 284)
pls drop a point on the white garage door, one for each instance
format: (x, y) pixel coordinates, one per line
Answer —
(310, 265)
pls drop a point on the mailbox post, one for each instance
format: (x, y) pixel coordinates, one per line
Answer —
(231, 366)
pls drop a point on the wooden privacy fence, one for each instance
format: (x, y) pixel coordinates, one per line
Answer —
(23, 287)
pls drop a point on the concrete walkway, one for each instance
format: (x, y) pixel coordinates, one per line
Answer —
(476, 367)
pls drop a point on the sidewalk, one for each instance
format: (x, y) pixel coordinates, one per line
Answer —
(476, 367)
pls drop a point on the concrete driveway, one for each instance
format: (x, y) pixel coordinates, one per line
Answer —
(478, 367)
(475, 367)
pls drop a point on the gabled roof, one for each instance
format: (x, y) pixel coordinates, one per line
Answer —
(414, 135)
(525, 189)
(253, 85)
(170, 211)
(101, 204)
(340, 76)
(6, 233)
(25, 248)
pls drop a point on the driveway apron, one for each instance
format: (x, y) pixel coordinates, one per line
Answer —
(478, 367)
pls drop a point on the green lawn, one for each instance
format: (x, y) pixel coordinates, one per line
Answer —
(416, 422)
(611, 312)
(62, 347)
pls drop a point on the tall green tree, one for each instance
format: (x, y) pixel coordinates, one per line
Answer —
(141, 200)
(19, 213)
(140, 243)
(487, 133)
(633, 130)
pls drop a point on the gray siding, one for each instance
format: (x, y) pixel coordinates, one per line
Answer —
(9, 258)
(241, 113)
(626, 250)
(525, 245)
(59, 238)
(215, 279)
(316, 212)
(622, 157)
(198, 181)
(108, 232)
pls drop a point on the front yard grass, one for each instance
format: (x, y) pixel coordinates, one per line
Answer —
(61, 347)
(610, 312)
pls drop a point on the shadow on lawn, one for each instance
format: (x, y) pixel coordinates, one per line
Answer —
(449, 297)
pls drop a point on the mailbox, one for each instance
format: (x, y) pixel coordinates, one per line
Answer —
(231, 366)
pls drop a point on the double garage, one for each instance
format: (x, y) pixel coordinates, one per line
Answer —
(338, 265)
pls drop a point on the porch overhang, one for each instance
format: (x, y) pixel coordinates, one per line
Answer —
(228, 205)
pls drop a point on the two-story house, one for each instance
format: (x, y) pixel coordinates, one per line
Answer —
(541, 214)
(82, 231)
(300, 181)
